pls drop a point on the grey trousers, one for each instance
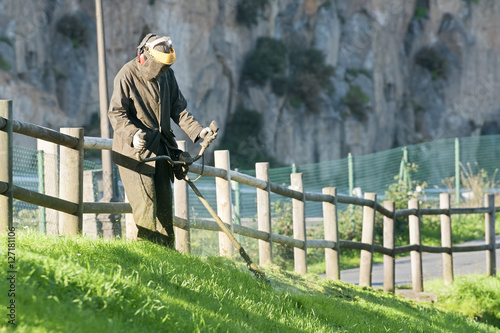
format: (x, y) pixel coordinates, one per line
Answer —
(151, 199)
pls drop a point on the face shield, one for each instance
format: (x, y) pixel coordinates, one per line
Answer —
(167, 55)
(159, 55)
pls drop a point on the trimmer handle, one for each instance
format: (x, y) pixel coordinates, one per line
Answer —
(208, 139)
(214, 126)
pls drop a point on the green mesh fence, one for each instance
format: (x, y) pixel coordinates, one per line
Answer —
(436, 163)
(28, 175)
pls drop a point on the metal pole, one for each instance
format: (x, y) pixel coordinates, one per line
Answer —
(107, 166)
(41, 189)
(457, 172)
(401, 168)
(350, 173)
(407, 174)
(237, 204)
(405, 168)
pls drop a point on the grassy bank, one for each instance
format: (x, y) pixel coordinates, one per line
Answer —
(476, 296)
(83, 285)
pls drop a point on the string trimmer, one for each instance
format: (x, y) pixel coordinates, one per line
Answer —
(185, 160)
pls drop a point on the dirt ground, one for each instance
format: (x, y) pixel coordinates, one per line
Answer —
(425, 296)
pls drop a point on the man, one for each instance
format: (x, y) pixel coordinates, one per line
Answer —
(145, 98)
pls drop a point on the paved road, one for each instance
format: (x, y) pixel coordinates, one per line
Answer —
(463, 263)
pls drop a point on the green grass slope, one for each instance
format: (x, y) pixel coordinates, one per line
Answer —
(81, 285)
(476, 296)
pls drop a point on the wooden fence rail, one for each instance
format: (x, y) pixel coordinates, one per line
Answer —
(71, 207)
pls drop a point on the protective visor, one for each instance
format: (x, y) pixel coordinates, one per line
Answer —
(164, 58)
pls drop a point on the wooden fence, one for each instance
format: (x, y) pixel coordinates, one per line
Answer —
(71, 207)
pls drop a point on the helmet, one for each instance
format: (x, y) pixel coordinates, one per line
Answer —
(156, 55)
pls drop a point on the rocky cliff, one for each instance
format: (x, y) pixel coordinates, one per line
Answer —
(403, 71)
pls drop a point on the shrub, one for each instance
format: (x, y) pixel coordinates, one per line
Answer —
(283, 225)
(351, 219)
(401, 192)
(248, 11)
(4, 64)
(243, 137)
(476, 180)
(430, 59)
(421, 12)
(266, 61)
(280, 85)
(422, 9)
(74, 28)
(356, 100)
(309, 73)
(310, 77)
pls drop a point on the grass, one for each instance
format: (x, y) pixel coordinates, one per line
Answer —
(82, 285)
(476, 296)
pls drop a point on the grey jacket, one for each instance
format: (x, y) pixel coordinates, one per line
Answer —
(140, 104)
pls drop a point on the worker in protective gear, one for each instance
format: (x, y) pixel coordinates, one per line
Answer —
(145, 97)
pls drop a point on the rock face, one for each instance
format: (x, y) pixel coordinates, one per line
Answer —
(429, 68)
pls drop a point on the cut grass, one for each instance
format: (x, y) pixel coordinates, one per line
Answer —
(78, 284)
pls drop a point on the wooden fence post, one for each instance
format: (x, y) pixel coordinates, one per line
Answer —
(489, 237)
(330, 223)
(389, 263)
(223, 192)
(367, 237)
(416, 255)
(446, 236)
(71, 183)
(181, 206)
(299, 225)
(6, 165)
(51, 175)
(264, 214)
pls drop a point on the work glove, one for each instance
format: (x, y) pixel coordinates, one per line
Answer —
(139, 142)
(206, 132)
